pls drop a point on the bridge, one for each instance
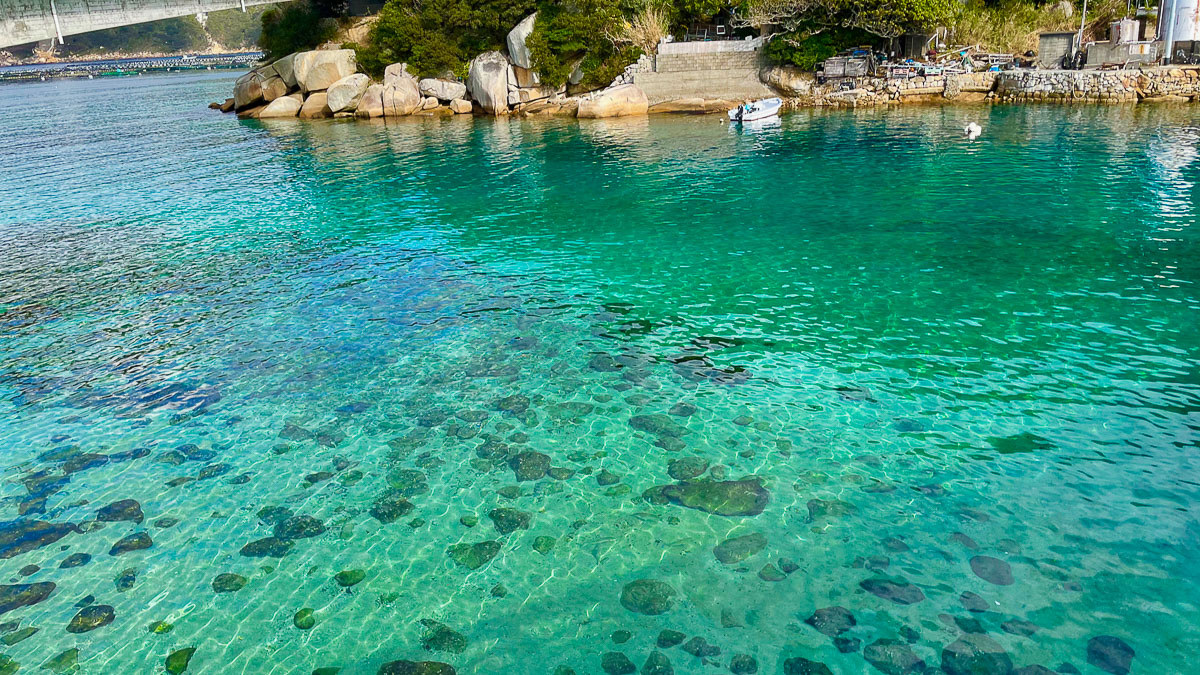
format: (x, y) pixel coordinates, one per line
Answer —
(24, 21)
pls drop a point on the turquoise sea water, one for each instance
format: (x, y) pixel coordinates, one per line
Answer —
(948, 387)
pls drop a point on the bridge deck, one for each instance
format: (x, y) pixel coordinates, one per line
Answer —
(24, 21)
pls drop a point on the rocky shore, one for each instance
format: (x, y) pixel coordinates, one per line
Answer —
(325, 83)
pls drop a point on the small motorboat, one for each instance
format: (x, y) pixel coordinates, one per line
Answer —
(758, 110)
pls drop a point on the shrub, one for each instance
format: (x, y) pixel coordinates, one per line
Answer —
(806, 50)
(436, 37)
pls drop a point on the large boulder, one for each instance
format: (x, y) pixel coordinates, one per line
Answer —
(315, 106)
(487, 81)
(789, 81)
(284, 106)
(344, 94)
(443, 90)
(283, 67)
(622, 101)
(254, 87)
(317, 70)
(460, 106)
(517, 51)
(396, 72)
(390, 100)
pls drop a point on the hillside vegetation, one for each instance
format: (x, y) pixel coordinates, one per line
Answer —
(440, 37)
(230, 29)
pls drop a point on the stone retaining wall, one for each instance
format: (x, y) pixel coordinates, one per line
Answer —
(1114, 86)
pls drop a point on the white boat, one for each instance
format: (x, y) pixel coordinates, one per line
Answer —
(758, 110)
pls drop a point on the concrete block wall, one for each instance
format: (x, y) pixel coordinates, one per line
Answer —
(24, 21)
(671, 63)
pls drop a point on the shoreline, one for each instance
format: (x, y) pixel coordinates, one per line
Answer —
(325, 84)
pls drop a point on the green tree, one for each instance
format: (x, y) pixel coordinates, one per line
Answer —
(436, 37)
(294, 27)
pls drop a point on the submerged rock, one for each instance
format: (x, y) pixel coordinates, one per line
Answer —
(973, 602)
(178, 660)
(267, 547)
(616, 663)
(893, 657)
(15, 596)
(135, 542)
(736, 549)
(125, 579)
(992, 570)
(304, 619)
(530, 465)
(90, 618)
(408, 482)
(687, 468)
(900, 592)
(348, 578)
(743, 664)
(22, 536)
(65, 662)
(1020, 443)
(727, 498)
(802, 666)
(416, 668)
(648, 596)
(829, 508)
(390, 506)
(273, 515)
(976, 654)
(507, 521)
(543, 544)
(299, 527)
(699, 648)
(75, 560)
(474, 556)
(832, 621)
(228, 582)
(125, 509)
(669, 638)
(1110, 654)
(658, 664)
(439, 637)
(657, 425)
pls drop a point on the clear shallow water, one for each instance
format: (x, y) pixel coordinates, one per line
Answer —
(932, 365)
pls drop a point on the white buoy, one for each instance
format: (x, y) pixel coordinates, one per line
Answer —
(972, 131)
